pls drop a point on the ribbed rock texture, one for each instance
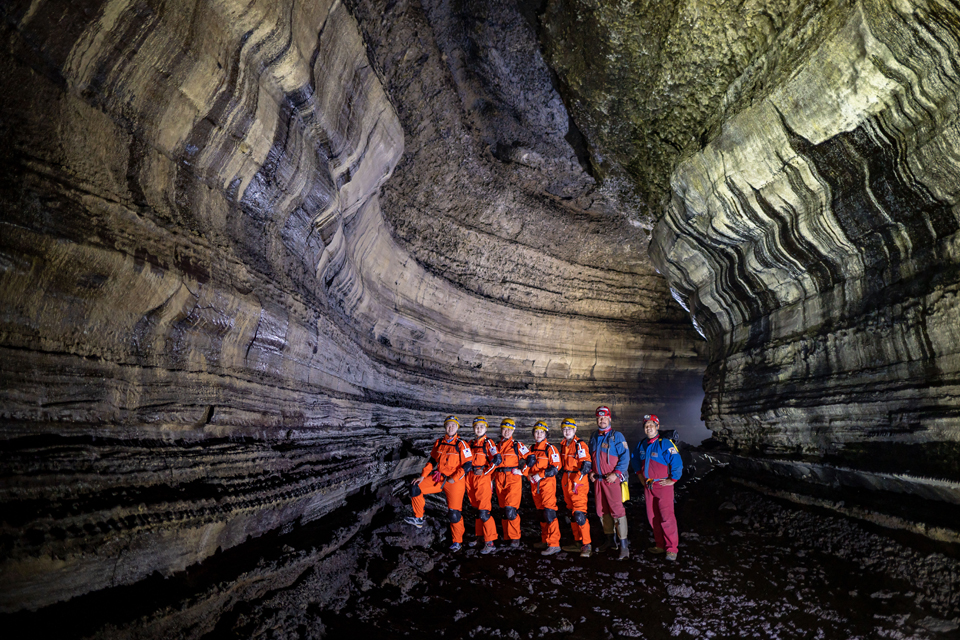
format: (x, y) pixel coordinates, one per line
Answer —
(815, 239)
(800, 159)
(221, 314)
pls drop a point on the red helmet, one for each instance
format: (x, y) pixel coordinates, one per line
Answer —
(651, 418)
(603, 411)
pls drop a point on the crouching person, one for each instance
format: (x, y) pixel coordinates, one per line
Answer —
(542, 466)
(449, 462)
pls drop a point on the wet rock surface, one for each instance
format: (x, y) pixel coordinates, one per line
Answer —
(749, 566)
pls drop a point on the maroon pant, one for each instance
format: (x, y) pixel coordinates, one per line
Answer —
(609, 498)
(659, 501)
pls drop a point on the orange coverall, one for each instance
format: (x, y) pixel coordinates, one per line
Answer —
(545, 491)
(509, 485)
(480, 485)
(449, 456)
(576, 485)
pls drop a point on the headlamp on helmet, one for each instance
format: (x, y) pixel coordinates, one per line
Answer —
(603, 411)
(651, 418)
(454, 419)
(541, 425)
(569, 422)
(508, 423)
(480, 420)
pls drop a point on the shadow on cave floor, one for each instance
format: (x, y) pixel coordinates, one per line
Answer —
(750, 566)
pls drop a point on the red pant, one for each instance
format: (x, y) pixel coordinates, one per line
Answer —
(575, 495)
(545, 497)
(659, 501)
(454, 493)
(609, 498)
(480, 492)
(509, 489)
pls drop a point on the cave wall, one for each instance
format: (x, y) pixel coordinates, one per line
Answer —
(250, 250)
(815, 241)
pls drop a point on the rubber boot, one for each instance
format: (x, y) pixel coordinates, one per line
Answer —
(607, 529)
(622, 534)
(609, 543)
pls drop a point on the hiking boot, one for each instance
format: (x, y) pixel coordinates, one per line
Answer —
(608, 544)
(585, 551)
(573, 548)
(455, 547)
(415, 521)
(624, 551)
(488, 548)
(514, 544)
(671, 556)
(540, 545)
(655, 550)
(549, 551)
(473, 542)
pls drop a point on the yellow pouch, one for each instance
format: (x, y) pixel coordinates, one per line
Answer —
(625, 490)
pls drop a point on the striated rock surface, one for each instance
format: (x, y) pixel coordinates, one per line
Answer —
(815, 241)
(221, 314)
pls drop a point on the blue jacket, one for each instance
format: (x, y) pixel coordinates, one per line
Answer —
(657, 460)
(609, 450)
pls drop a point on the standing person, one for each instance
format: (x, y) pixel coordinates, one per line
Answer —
(575, 469)
(542, 467)
(480, 483)
(611, 457)
(450, 460)
(657, 463)
(508, 480)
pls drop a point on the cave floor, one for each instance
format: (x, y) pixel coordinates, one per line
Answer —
(750, 566)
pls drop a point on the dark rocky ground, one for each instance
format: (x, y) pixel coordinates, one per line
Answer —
(750, 566)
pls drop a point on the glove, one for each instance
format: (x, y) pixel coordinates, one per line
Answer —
(536, 477)
(436, 476)
(516, 472)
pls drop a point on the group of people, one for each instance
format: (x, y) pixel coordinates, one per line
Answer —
(480, 467)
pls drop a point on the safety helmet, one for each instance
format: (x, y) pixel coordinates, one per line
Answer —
(603, 411)
(480, 419)
(569, 422)
(451, 419)
(508, 423)
(651, 418)
(541, 425)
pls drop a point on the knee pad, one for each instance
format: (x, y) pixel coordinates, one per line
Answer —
(580, 517)
(484, 515)
(549, 515)
(415, 490)
(510, 513)
(454, 516)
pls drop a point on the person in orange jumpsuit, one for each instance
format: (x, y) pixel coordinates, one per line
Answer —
(543, 463)
(450, 461)
(480, 483)
(508, 480)
(575, 468)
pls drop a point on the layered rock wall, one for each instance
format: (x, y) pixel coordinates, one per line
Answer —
(815, 240)
(209, 330)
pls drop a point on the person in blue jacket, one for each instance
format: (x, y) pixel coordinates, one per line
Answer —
(610, 456)
(656, 461)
